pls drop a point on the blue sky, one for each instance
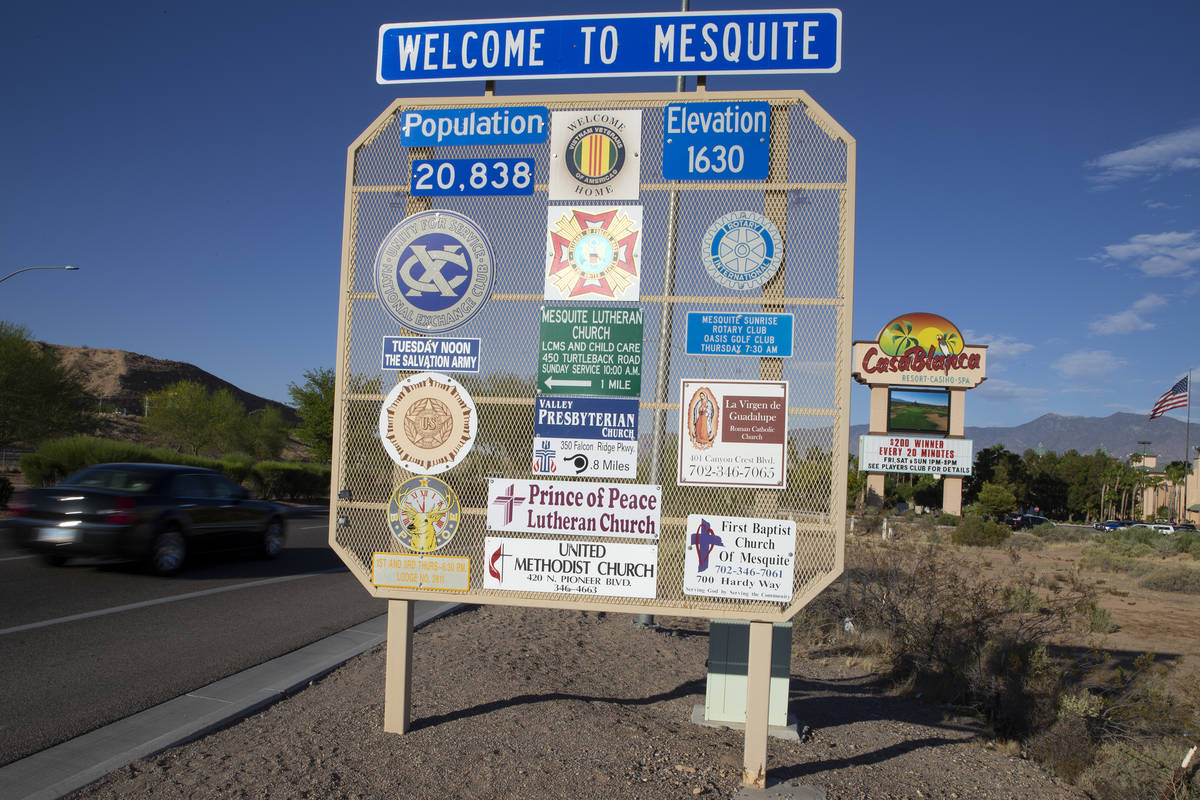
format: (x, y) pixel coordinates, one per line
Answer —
(1027, 170)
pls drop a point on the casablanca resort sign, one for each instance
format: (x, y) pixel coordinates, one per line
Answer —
(918, 368)
(919, 350)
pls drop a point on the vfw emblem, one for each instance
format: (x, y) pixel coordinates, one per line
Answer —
(433, 271)
(593, 254)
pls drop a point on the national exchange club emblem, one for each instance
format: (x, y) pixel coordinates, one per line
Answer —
(433, 271)
(593, 256)
(427, 423)
(742, 250)
(423, 514)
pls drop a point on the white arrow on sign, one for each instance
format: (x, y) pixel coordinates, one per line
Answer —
(551, 382)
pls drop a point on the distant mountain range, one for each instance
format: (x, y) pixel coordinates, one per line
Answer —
(1118, 434)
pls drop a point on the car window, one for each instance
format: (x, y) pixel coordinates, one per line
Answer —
(135, 481)
(192, 485)
(224, 487)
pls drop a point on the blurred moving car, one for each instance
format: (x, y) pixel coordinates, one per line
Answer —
(155, 512)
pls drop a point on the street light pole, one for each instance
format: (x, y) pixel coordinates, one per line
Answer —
(26, 269)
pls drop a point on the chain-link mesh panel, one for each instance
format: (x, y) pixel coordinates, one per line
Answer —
(809, 197)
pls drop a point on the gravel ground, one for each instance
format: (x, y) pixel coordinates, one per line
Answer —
(543, 704)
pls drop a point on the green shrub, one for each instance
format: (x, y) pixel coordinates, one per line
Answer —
(1066, 533)
(1100, 619)
(947, 519)
(1043, 530)
(292, 481)
(1022, 599)
(1172, 578)
(1099, 558)
(978, 532)
(1022, 540)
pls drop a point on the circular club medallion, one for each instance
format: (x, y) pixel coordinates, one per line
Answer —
(433, 271)
(423, 514)
(595, 155)
(427, 423)
(742, 250)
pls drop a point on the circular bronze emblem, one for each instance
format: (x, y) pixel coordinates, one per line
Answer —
(427, 423)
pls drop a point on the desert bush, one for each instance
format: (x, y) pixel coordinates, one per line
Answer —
(1066, 533)
(1065, 748)
(1025, 541)
(939, 628)
(1172, 578)
(1099, 558)
(978, 532)
(1043, 530)
(1138, 770)
(947, 519)
(1099, 619)
(1022, 599)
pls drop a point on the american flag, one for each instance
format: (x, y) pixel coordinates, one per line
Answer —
(1175, 397)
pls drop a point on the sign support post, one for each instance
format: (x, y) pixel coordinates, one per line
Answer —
(758, 697)
(397, 679)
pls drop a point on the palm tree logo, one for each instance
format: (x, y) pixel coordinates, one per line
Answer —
(898, 338)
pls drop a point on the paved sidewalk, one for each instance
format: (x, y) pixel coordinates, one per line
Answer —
(74, 764)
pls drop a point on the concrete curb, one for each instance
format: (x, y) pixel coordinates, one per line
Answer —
(59, 770)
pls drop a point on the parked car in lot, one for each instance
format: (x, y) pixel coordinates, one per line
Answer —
(1185, 526)
(155, 512)
(1020, 522)
(1164, 528)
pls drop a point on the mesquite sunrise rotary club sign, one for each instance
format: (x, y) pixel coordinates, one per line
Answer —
(919, 349)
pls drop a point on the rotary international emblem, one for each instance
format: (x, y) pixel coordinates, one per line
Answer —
(433, 271)
(742, 250)
(427, 423)
(423, 514)
(593, 256)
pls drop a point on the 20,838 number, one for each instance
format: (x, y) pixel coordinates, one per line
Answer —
(471, 176)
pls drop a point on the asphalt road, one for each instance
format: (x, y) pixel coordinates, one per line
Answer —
(92, 642)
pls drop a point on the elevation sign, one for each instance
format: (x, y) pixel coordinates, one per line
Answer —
(706, 43)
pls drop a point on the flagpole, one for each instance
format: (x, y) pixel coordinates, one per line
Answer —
(1187, 447)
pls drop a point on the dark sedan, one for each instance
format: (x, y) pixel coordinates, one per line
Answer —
(155, 512)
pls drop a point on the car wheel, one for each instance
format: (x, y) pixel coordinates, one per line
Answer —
(272, 539)
(167, 552)
(54, 559)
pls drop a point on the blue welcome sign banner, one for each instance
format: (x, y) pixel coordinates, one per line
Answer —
(618, 45)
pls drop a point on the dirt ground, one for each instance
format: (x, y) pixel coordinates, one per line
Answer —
(1164, 623)
(543, 704)
(533, 704)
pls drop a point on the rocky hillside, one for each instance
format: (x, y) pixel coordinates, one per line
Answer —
(121, 379)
